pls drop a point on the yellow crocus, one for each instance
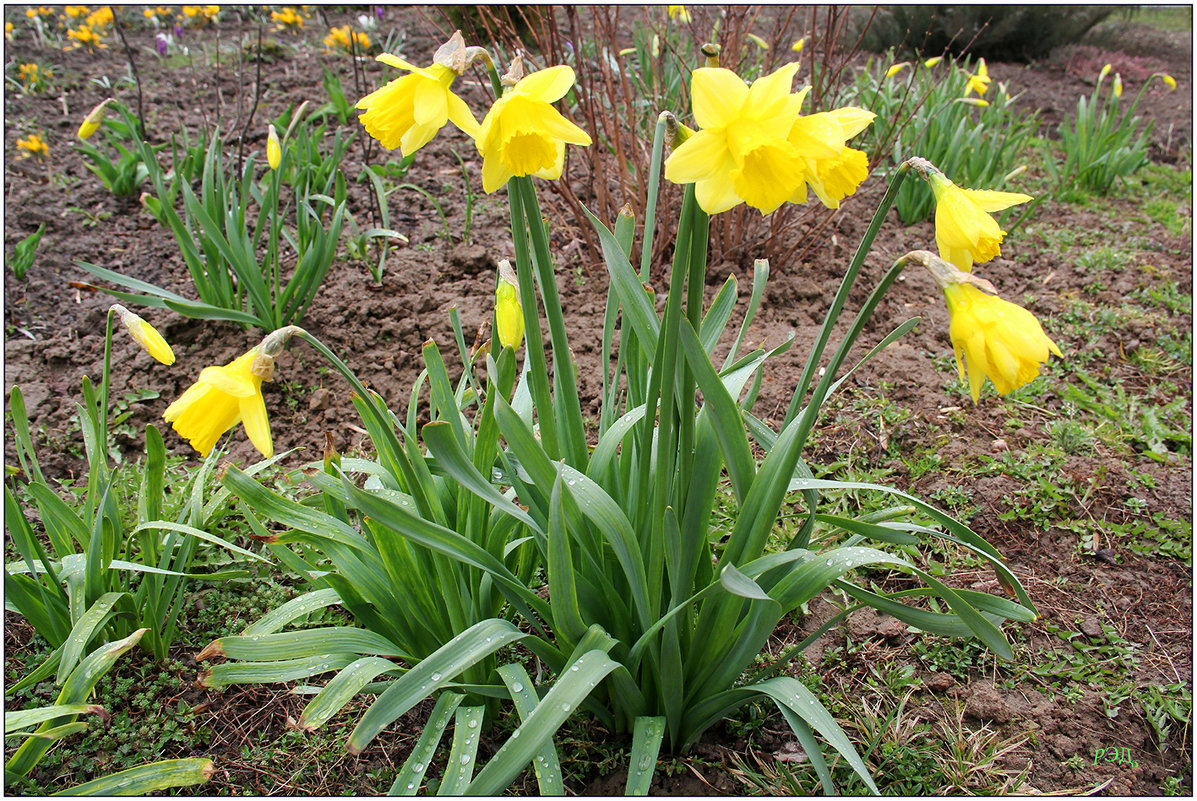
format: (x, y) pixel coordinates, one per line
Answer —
(221, 398)
(997, 339)
(145, 335)
(408, 111)
(33, 145)
(979, 81)
(965, 230)
(274, 151)
(509, 317)
(91, 123)
(678, 13)
(523, 135)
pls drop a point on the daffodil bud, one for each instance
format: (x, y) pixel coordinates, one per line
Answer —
(145, 335)
(798, 45)
(931, 62)
(675, 132)
(1169, 81)
(1117, 84)
(1101, 76)
(758, 41)
(711, 51)
(896, 68)
(509, 316)
(91, 123)
(656, 46)
(274, 151)
(973, 101)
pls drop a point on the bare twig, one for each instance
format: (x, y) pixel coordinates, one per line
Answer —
(120, 31)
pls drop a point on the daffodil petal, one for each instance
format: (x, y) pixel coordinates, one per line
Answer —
(768, 94)
(430, 106)
(398, 63)
(699, 157)
(494, 173)
(547, 85)
(257, 426)
(990, 201)
(716, 194)
(718, 96)
(461, 116)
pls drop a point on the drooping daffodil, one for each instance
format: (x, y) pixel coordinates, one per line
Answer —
(523, 134)
(409, 111)
(991, 338)
(965, 230)
(145, 335)
(221, 398)
(996, 339)
(91, 123)
(833, 170)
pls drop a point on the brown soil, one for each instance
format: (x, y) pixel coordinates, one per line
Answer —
(54, 326)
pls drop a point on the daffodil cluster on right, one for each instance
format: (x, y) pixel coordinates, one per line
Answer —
(754, 146)
(991, 337)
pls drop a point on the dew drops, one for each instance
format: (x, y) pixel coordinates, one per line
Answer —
(517, 687)
(643, 765)
(465, 759)
(418, 768)
(515, 734)
(565, 707)
(573, 669)
(435, 677)
(411, 786)
(473, 724)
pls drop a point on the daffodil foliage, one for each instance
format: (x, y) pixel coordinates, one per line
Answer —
(504, 519)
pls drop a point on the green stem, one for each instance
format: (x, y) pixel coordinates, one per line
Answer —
(105, 384)
(650, 208)
(841, 296)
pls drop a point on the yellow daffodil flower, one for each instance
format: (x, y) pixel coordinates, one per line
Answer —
(523, 135)
(145, 335)
(741, 152)
(509, 317)
(408, 111)
(833, 170)
(753, 146)
(219, 400)
(896, 68)
(344, 39)
(678, 13)
(91, 123)
(798, 45)
(931, 62)
(965, 231)
(274, 151)
(997, 339)
(1169, 81)
(979, 81)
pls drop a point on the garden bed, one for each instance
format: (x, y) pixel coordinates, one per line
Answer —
(1081, 479)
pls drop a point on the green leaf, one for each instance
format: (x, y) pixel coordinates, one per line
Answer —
(737, 583)
(646, 744)
(272, 672)
(572, 687)
(430, 674)
(24, 718)
(464, 752)
(412, 773)
(341, 689)
(523, 694)
(306, 642)
(296, 608)
(147, 779)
